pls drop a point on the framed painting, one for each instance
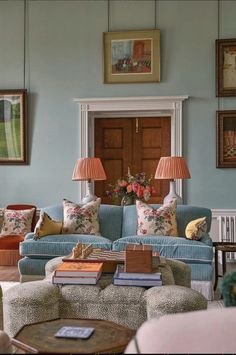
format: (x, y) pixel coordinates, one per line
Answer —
(226, 139)
(131, 56)
(226, 67)
(13, 149)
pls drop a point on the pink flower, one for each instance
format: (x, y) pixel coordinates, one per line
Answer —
(123, 183)
(129, 188)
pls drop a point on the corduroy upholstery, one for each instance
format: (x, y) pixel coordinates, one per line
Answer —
(118, 227)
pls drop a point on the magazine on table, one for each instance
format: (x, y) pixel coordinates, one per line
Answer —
(74, 332)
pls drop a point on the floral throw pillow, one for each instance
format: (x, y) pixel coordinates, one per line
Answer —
(81, 219)
(17, 222)
(161, 221)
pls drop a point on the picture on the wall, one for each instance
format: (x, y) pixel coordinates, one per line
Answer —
(131, 56)
(226, 139)
(13, 127)
(226, 67)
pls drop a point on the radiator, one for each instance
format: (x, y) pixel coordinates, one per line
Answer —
(227, 232)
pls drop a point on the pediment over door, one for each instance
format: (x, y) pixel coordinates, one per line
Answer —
(152, 106)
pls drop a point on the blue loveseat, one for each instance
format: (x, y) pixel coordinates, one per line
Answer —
(118, 227)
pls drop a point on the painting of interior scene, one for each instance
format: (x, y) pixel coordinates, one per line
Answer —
(229, 129)
(229, 67)
(131, 56)
(10, 126)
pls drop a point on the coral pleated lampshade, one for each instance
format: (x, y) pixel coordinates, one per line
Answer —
(89, 169)
(172, 168)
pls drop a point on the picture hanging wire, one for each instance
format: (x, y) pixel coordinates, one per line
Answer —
(24, 46)
(155, 13)
(108, 15)
(218, 36)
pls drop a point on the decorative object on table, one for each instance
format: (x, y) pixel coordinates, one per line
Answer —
(157, 221)
(47, 226)
(74, 332)
(131, 188)
(196, 229)
(228, 288)
(88, 169)
(13, 135)
(225, 67)
(138, 258)
(226, 139)
(122, 278)
(81, 219)
(172, 168)
(131, 56)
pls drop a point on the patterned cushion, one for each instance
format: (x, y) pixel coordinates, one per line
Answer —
(81, 219)
(17, 222)
(47, 226)
(196, 229)
(161, 221)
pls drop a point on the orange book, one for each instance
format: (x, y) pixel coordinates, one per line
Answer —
(74, 269)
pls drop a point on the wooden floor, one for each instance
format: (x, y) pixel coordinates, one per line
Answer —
(9, 273)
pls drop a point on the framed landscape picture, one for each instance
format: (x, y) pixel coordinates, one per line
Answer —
(13, 127)
(226, 67)
(226, 139)
(131, 56)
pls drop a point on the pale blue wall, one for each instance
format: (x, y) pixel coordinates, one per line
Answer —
(64, 60)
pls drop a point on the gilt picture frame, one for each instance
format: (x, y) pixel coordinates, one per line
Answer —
(131, 56)
(13, 135)
(226, 67)
(226, 139)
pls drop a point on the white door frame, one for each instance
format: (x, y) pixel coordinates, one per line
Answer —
(144, 106)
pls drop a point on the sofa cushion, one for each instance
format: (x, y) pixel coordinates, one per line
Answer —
(58, 245)
(110, 219)
(173, 248)
(184, 214)
(17, 222)
(156, 221)
(47, 226)
(81, 219)
(196, 229)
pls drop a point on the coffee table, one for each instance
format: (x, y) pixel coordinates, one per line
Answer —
(38, 338)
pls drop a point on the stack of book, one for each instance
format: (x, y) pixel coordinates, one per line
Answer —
(122, 278)
(77, 273)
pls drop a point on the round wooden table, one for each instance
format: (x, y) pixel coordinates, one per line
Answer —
(223, 247)
(39, 338)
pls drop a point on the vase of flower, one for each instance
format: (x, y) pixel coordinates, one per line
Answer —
(127, 200)
(131, 188)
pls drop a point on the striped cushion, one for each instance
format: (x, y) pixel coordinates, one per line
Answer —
(173, 248)
(59, 245)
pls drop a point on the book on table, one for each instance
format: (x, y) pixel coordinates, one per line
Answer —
(70, 280)
(136, 279)
(73, 269)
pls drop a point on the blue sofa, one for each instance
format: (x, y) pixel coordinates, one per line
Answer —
(118, 228)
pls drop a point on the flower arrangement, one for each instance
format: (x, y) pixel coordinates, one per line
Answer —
(132, 187)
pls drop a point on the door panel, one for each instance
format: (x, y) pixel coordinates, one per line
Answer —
(137, 143)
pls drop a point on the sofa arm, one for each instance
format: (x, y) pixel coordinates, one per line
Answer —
(207, 240)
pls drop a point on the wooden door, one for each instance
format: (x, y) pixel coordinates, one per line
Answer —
(137, 143)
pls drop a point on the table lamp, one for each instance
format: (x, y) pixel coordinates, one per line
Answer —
(172, 168)
(88, 169)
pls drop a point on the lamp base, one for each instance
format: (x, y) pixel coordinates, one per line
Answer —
(89, 195)
(172, 195)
